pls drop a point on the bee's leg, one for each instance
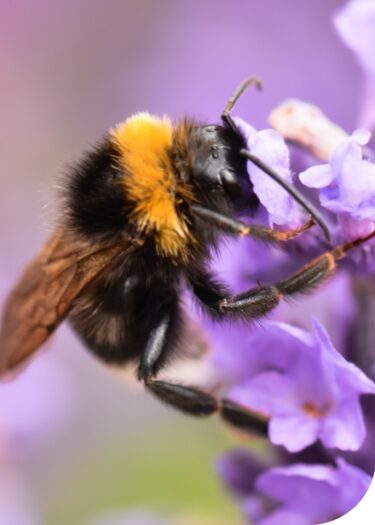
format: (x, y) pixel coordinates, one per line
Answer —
(196, 402)
(262, 299)
(162, 336)
(209, 291)
(242, 229)
(191, 400)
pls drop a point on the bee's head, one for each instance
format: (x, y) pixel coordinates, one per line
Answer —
(219, 170)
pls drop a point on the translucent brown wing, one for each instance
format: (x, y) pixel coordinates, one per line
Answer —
(47, 289)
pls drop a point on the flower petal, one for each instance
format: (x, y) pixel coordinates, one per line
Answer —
(361, 136)
(238, 469)
(270, 146)
(354, 484)
(312, 490)
(270, 393)
(347, 373)
(293, 432)
(344, 428)
(355, 23)
(317, 176)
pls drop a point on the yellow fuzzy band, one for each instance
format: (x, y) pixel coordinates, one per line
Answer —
(150, 183)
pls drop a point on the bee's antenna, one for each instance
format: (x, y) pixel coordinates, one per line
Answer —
(308, 206)
(226, 117)
(229, 122)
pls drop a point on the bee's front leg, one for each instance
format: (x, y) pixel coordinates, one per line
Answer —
(258, 301)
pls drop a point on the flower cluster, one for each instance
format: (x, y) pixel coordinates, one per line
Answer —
(315, 389)
(311, 395)
(285, 389)
(351, 198)
(298, 494)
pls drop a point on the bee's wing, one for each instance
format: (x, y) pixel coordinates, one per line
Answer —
(47, 289)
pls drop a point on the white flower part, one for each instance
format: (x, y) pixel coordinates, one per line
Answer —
(361, 136)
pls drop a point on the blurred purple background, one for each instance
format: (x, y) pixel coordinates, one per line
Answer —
(69, 432)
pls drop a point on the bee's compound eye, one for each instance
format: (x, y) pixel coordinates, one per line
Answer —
(230, 182)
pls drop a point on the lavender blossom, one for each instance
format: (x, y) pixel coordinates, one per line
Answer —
(297, 379)
(314, 493)
(285, 389)
(347, 185)
(355, 23)
(300, 494)
(239, 469)
(308, 390)
(269, 145)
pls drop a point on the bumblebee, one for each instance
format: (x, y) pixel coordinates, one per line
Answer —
(142, 212)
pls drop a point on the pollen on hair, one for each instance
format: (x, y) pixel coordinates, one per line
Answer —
(143, 142)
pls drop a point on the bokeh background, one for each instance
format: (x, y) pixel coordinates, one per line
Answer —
(78, 446)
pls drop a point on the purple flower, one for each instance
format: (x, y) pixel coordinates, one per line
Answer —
(301, 494)
(310, 494)
(355, 24)
(347, 185)
(239, 469)
(283, 386)
(269, 146)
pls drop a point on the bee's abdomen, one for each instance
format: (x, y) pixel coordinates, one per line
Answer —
(101, 317)
(113, 319)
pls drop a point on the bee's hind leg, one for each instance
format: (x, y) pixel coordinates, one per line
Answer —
(196, 402)
(190, 400)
